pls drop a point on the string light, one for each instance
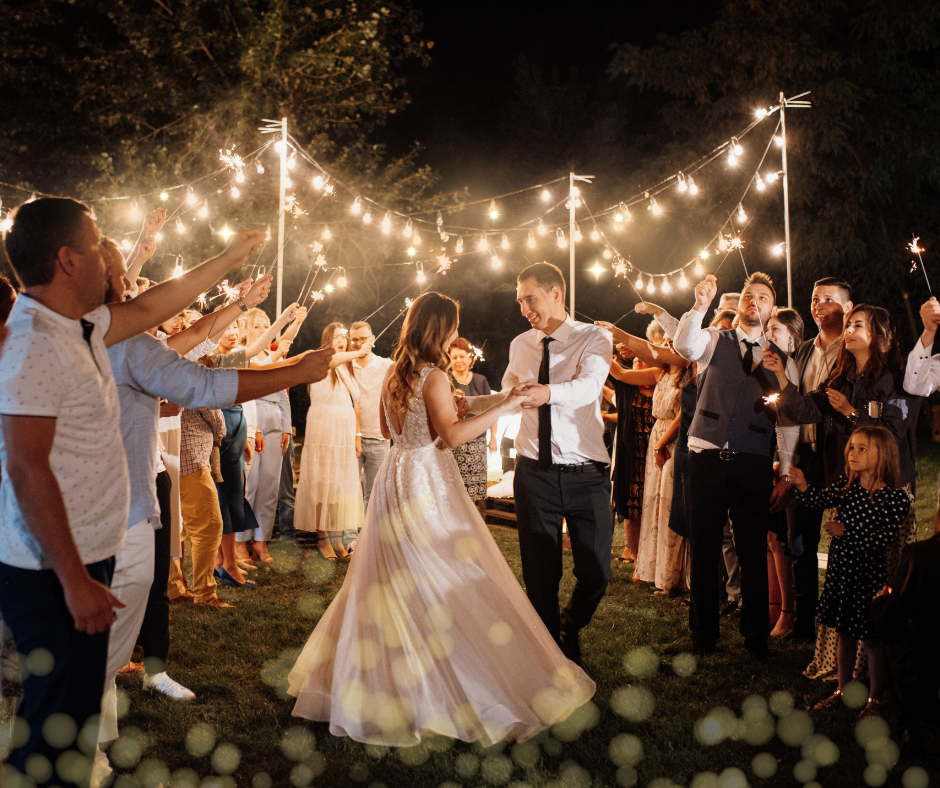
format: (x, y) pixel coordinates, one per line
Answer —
(126, 245)
(699, 269)
(387, 222)
(666, 288)
(705, 253)
(651, 287)
(654, 207)
(164, 196)
(326, 233)
(292, 161)
(288, 183)
(356, 207)
(412, 251)
(761, 113)
(494, 214)
(226, 233)
(367, 217)
(742, 216)
(546, 195)
(722, 244)
(505, 241)
(191, 196)
(595, 234)
(607, 254)
(639, 283)
(318, 182)
(409, 229)
(239, 177)
(779, 140)
(693, 189)
(134, 210)
(204, 210)
(259, 167)
(416, 238)
(422, 278)
(482, 244)
(458, 248)
(178, 269)
(180, 227)
(560, 237)
(531, 240)
(772, 176)
(736, 146)
(577, 234)
(777, 249)
(329, 288)
(236, 193)
(495, 261)
(542, 229)
(341, 280)
(759, 183)
(683, 186)
(623, 214)
(683, 282)
(158, 237)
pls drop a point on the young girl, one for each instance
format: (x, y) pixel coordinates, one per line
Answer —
(870, 510)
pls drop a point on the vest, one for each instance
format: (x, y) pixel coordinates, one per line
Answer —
(731, 407)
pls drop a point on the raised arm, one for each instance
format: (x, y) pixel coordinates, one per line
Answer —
(656, 355)
(267, 337)
(160, 303)
(439, 399)
(635, 377)
(922, 376)
(691, 340)
(287, 338)
(146, 243)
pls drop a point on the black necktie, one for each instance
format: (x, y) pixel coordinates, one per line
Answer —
(545, 412)
(748, 360)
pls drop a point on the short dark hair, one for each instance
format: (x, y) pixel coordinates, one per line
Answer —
(834, 281)
(545, 275)
(760, 278)
(40, 228)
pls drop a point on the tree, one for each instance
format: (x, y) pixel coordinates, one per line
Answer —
(864, 161)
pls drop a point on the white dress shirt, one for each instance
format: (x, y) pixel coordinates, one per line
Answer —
(695, 343)
(815, 373)
(579, 365)
(922, 376)
(370, 379)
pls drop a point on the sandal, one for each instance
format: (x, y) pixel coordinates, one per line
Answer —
(873, 708)
(320, 541)
(340, 551)
(832, 702)
(782, 632)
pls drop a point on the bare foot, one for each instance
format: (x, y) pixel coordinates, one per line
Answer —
(241, 552)
(784, 626)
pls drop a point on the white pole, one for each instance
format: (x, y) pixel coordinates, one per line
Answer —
(786, 199)
(280, 218)
(571, 195)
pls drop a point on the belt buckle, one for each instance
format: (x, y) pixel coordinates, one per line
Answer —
(725, 454)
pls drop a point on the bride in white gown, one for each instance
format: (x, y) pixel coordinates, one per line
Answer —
(431, 633)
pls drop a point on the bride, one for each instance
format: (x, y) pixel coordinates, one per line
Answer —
(431, 634)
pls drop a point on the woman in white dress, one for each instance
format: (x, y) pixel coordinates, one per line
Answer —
(329, 496)
(431, 633)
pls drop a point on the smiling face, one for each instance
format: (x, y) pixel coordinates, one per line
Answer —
(862, 457)
(778, 333)
(857, 333)
(542, 308)
(829, 308)
(230, 338)
(756, 306)
(459, 360)
(174, 325)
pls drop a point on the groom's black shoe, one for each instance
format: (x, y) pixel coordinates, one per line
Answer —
(570, 643)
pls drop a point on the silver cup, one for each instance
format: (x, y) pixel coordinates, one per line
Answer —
(875, 408)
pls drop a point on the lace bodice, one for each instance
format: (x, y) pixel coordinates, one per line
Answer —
(415, 432)
(666, 397)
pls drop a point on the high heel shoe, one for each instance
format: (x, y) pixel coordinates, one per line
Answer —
(320, 540)
(340, 551)
(225, 577)
(257, 556)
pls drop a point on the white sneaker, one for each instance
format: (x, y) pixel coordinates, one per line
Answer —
(161, 682)
(351, 546)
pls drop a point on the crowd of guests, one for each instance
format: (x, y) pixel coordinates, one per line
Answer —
(135, 429)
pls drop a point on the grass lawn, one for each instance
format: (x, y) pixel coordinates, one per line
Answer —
(658, 718)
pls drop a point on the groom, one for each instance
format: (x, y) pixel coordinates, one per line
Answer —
(560, 366)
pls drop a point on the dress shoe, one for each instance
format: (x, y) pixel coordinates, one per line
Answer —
(225, 577)
(731, 608)
(185, 597)
(216, 602)
(571, 646)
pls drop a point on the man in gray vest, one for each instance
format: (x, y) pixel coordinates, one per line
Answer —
(732, 440)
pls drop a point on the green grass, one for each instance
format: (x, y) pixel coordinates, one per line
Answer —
(235, 661)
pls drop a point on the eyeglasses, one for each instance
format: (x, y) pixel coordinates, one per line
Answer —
(358, 340)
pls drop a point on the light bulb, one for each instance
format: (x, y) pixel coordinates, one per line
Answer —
(204, 211)
(259, 167)
(226, 233)
(239, 177)
(367, 218)
(683, 186)
(409, 229)
(654, 207)
(505, 242)
(742, 216)
(416, 238)
(482, 244)
(178, 270)
(531, 240)
(422, 277)
(722, 244)
(341, 279)
(618, 217)
(705, 253)
(759, 183)
(164, 196)
(779, 140)
(639, 283)
(292, 161)
(134, 211)
(356, 207)
(458, 248)
(328, 288)
(387, 223)
(288, 183)
(595, 235)
(412, 251)
(180, 227)
(693, 189)
(318, 182)
(777, 249)
(236, 193)
(607, 254)
(736, 146)
(772, 176)
(279, 146)
(546, 195)
(560, 237)
(732, 159)
(495, 261)
(191, 197)
(542, 229)
(158, 237)
(699, 269)
(683, 282)
(761, 113)
(126, 245)
(494, 214)
(667, 288)
(326, 233)
(577, 234)
(651, 287)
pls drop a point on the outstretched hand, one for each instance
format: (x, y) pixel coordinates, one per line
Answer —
(531, 394)
(705, 292)
(257, 291)
(245, 244)
(153, 223)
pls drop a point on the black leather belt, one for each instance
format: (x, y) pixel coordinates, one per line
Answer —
(578, 467)
(728, 456)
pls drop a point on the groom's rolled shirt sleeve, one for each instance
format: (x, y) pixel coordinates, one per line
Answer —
(593, 369)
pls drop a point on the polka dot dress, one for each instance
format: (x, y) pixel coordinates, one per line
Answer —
(858, 566)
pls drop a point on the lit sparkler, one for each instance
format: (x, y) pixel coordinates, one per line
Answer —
(443, 263)
(292, 206)
(202, 302)
(231, 160)
(916, 248)
(317, 295)
(477, 353)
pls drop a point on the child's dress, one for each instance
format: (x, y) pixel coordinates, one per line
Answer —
(858, 567)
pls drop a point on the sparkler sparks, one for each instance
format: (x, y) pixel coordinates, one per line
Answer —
(231, 160)
(620, 268)
(408, 303)
(317, 295)
(292, 206)
(202, 302)
(444, 263)
(230, 293)
(771, 399)
(477, 353)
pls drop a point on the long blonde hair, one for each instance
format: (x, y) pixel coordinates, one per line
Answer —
(253, 318)
(428, 325)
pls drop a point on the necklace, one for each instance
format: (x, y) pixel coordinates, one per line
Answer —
(464, 382)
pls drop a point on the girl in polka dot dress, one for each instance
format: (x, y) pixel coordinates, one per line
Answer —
(870, 511)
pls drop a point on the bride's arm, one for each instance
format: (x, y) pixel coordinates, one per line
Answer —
(440, 403)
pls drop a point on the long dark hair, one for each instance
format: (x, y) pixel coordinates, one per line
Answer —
(883, 353)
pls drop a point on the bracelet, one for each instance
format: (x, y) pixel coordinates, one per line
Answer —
(242, 304)
(358, 434)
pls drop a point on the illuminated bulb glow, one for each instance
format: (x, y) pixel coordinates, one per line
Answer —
(777, 249)
(326, 233)
(178, 270)
(639, 283)
(683, 282)
(597, 270)
(577, 234)
(779, 141)
(595, 235)
(482, 244)
(542, 229)
(236, 193)
(723, 244)
(180, 227)
(164, 196)
(654, 207)
(387, 223)
(409, 229)
(191, 197)
(416, 238)
(651, 287)
(411, 251)
(288, 183)
(134, 211)
(531, 240)
(367, 218)
(318, 181)
(736, 146)
(292, 161)
(546, 195)
(239, 177)
(328, 288)
(495, 261)
(341, 279)
(704, 253)
(699, 269)
(505, 241)
(259, 167)
(759, 184)
(683, 186)
(126, 245)
(157, 237)
(667, 288)
(742, 216)
(560, 237)
(693, 189)
(226, 233)
(607, 254)
(458, 248)
(771, 177)
(732, 159)
(761, 113)
(422, 277)
(204, 211)
(494, 214)
(356, 207)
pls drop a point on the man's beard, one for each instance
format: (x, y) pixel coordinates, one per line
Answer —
(750, 322)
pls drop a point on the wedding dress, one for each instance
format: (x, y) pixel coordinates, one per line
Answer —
(431, 632)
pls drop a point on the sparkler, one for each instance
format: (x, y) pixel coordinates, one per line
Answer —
(291, 206)
(916, 248)
(443, 262)
(477, 353)
(317, 295)
(231, 160)
(201, 302)
(394, 320)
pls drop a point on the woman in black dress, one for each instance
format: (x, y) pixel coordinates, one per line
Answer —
(471, 456)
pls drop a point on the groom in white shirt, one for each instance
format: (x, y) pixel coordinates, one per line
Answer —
(561, 461)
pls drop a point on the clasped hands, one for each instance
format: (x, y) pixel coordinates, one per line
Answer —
(531, 394)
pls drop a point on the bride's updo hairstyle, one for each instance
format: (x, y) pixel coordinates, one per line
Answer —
(428, 325)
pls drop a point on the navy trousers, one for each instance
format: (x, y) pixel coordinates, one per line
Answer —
(155, 629)
(231, 489)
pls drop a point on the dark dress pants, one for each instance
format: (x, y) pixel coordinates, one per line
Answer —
(806, 525)
(739, 488)
(285, 494)
(34, 608)
(155, 629)
(231, 489)
(543, 499)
